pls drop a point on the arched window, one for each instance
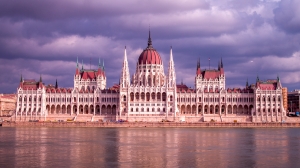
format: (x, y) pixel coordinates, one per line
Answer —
(171, 98)
(124, 98)
(148, 96)
(131, 96)
(164, 96)
(149, 81)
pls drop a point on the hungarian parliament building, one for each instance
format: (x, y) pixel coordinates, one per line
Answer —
(151, 95)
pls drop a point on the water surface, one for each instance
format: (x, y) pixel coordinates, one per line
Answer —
(149, 147)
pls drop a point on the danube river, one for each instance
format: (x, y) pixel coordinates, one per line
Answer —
(149, 147)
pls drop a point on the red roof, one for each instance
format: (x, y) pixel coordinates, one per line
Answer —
(211, 74)
(267, 85)
(30, 84)
(150, 56)
(91, 74)
(184, 88)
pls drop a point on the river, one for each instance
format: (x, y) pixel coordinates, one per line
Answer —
(149, 147)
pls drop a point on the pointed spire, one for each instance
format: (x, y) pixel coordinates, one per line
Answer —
(103, 65)
(56, 85)
(171, 73)
(221, 63)
(247, 83)
(149, 40)
(21, 78)
(198, 70)
(99, 65)
(82, 65)
(40, 78)
(257, 79)
(77, 62)
(125, 76)
(278, 78)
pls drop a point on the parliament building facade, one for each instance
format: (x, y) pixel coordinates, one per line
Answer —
(150, 95)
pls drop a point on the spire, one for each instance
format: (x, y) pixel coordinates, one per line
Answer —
(99, 65)
(257, 79)
(103, 65)
(56, 85)
(198, 70)
(247, 83)
(77, 62)
(21, 78)
(82, 65)
(149, 40)
(221, 63)
(125, 76)
(40, 78)
(171, 75)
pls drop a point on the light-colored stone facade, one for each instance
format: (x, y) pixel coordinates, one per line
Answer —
(151, 95)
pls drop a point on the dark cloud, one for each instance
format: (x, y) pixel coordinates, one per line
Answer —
(46, 38)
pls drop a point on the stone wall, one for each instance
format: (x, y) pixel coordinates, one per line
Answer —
(7, 104)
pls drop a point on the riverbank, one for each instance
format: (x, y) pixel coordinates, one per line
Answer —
(145, 124)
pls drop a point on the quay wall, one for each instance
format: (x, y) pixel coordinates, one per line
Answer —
(146, 124)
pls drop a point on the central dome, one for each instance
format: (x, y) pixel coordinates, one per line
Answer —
(150, 55)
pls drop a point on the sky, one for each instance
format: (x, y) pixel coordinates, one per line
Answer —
(253, 38)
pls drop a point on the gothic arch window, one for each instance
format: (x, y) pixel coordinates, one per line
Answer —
(148, 96)
(153, 96)
(124, 98)
(131, 96)
(171, 98)
(164, 96)
(137, 96)
(149, 80)
(143, 96)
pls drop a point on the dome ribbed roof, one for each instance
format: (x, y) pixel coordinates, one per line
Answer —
(149, 55)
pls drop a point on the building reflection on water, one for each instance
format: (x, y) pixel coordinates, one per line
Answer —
(150, 147)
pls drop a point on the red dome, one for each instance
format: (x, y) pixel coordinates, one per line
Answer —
(150, 56)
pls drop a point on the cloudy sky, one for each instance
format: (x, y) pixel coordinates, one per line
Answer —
(253, 37)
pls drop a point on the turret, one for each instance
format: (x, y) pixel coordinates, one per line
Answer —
(171, 69)
(198, 69)
(125, 76)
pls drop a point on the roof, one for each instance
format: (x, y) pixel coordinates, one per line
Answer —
(211, 74)
(149, 55)
(90, 74)
(183, 88)
(30, 84)
(270, 84)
